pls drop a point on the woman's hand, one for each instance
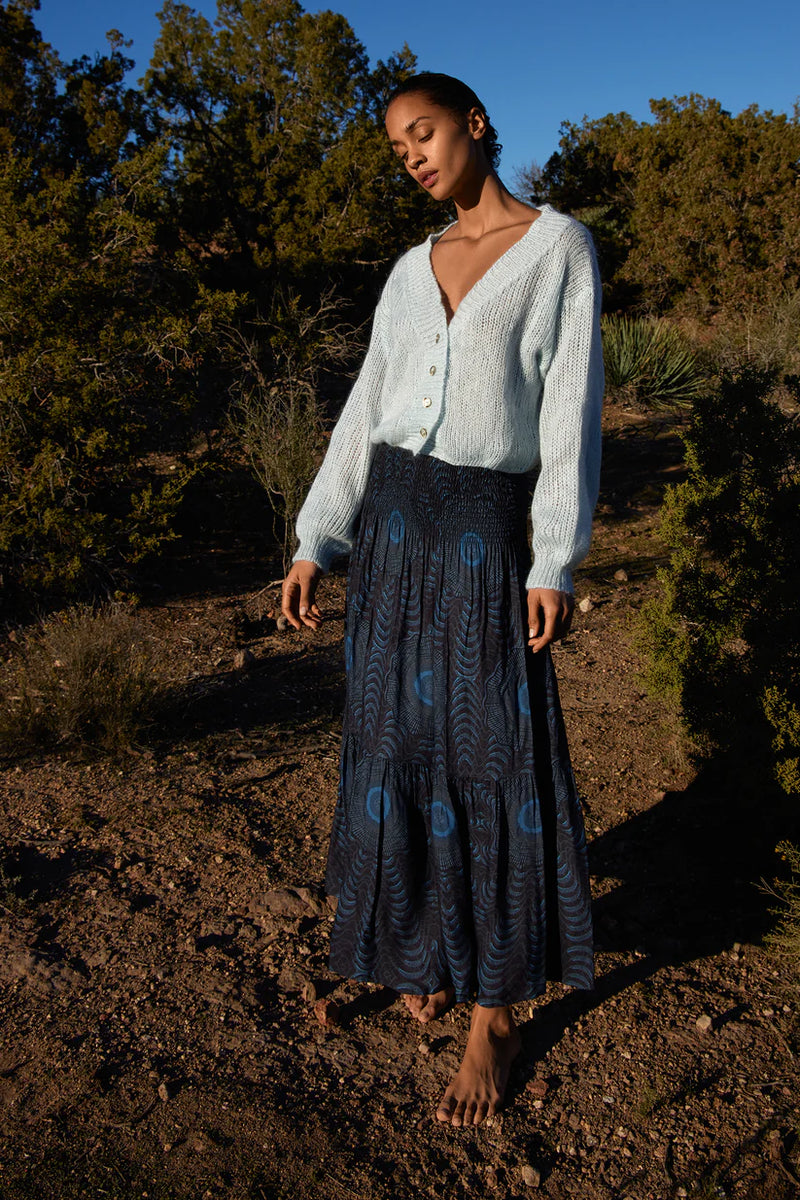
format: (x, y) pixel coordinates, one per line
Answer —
(299, 589)
(549, 616)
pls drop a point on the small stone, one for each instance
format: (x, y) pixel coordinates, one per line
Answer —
(282, 624)
(621, 576)
(574, 1121)
(586, 604)
(309, 993)
(244, 660)
(531, 1176)
(704, 1023)
(537, 1087)
(424, 1048)
(736, 948)
(491, 1178)
(164, 1093)
(327, 1013)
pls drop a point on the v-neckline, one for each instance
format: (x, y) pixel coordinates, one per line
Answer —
(445, 303)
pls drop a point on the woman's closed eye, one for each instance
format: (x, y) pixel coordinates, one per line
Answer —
(425, 138)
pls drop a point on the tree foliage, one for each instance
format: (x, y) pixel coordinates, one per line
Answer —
(695, 211)
(721, 641)
(280, 165)
(249, 173)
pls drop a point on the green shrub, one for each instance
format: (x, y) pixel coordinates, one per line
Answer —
(648, 363)
(785, 937)
(83, 677)
(721, 642)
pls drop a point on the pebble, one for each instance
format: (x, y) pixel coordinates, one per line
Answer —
(282, 624)
(309, 992)
(621, 575)
(327, 1013)
(704, 1023)
(586, 604)
(538, 1087)
(244, 660)
(164, 1093)
(531, 1176)
(424, 1048)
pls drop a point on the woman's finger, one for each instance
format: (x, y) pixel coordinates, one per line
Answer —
(290, 596)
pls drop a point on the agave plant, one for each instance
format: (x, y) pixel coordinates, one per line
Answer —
(648, 363)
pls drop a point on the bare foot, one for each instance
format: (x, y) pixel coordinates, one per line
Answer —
(477, 1090)
(425, 1008)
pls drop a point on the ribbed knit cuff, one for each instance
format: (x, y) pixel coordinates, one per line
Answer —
(318, 550)
(544, 574)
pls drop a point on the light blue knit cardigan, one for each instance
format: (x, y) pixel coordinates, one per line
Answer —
(514, 381)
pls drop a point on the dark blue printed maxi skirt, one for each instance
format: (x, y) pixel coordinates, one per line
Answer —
(458, 852)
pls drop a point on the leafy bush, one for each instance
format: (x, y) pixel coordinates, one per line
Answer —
(93, 379)
(84, 677)
(785, 937)
(721, 641)
(648, 363)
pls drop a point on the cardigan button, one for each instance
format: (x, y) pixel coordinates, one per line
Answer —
(433, 370)
(427, 402)
(423, 433)
(438, 336)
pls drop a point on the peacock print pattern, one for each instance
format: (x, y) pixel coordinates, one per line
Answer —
(458, 852)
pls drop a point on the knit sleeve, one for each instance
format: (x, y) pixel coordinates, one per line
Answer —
(325, 523)
(569, 433)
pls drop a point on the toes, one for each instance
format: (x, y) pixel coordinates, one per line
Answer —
(445, 1110)
(470, 1109)
(482, 1111)
(458, 1115)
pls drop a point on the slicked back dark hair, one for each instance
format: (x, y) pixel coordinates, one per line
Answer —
(450, 93)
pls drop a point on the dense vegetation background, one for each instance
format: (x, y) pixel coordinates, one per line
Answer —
(189, 266)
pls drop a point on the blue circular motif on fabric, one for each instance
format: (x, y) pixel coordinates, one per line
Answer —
(379, 804)
(528, 819)
(397, 526)
(443, 819)
(423, 686)
(348, 653)
(524, 699)
(471, 547)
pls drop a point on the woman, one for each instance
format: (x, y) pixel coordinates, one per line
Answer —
(458, 853)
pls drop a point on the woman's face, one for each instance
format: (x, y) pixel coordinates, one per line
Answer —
(437, 149)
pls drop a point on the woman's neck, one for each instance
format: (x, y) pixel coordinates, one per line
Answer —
(485, 204)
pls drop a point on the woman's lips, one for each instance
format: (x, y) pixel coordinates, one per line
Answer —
(429, 178)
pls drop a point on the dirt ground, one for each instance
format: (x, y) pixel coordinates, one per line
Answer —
(163, 931)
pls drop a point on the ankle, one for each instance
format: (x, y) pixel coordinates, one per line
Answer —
(499, 1020)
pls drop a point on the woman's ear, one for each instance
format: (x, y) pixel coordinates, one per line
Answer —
(476, 123)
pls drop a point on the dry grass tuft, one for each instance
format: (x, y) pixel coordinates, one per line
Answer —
(84, 677)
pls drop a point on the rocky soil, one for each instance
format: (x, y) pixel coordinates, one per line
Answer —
(169, 1027)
